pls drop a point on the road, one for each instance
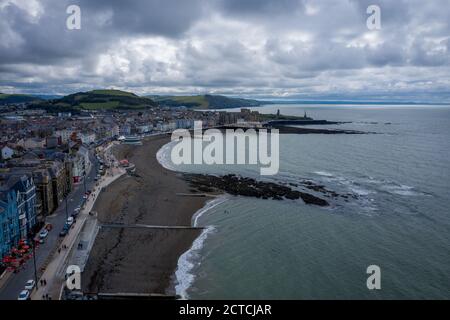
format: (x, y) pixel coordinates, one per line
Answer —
(55, 271)
(17, 281)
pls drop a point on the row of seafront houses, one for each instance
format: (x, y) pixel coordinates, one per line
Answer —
(32, 187)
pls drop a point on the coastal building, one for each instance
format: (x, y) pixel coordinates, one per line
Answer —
(227, 117)
(184, 123)
(64, 134)
(59, 181)
(17, 208)
(7, 153)
(115, 132)
(87, 137)
(125, 130)
(145, 128)
(34, 143)
(9, 222)
(81, 164)
(23, 185)
(135, 140)
(42, 180)
(52, 142)
(44, 191)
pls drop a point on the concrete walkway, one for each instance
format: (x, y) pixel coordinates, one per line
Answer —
(53, 274)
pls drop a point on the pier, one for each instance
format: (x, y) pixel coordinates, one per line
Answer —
(146, 226)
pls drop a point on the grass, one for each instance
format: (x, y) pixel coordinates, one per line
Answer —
(100, 105)
(113, 93)
(200, 100)
(5, 95)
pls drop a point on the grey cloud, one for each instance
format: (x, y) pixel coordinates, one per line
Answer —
(266, 8)
(245, 46)
(157, 17)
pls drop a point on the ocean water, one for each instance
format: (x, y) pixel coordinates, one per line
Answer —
(400, 221)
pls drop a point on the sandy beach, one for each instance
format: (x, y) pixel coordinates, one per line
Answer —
(141, 260)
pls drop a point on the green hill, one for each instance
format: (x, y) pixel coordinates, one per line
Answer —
(16, 98)
(205, 101)
(98, 100)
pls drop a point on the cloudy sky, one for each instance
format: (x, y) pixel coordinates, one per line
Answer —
(255, 48)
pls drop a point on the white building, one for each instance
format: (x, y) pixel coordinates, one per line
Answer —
(115, 131)
(81, 164)
(87, 137)
(7, 152)
(65, 134)
(34, 143)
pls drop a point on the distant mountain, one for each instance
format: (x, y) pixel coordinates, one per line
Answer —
(47, 96)
(16, 98)
(97, 100)
(205, 101)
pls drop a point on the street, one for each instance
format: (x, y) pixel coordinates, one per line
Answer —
(16, 282)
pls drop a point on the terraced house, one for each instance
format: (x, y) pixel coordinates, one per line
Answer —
(17, 209)
(9, 222)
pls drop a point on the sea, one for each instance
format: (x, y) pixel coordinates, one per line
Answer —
(398, 219)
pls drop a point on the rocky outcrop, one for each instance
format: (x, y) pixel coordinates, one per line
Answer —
(249, 187)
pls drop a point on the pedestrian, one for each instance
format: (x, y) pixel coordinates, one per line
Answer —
(45, 282)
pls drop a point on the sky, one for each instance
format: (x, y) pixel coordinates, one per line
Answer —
(286, 49)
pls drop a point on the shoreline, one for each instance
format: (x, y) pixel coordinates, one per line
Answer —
(142, 260)
(183, 277)
(150, 260)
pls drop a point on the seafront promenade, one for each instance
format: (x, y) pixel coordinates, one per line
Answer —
(54, 273)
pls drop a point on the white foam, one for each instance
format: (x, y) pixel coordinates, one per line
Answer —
(183, 274)
(402, 190)
(163, 156)
(360, 191)
(324, 173)
(209, 205)
(186, 262)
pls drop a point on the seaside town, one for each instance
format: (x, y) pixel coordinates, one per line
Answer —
(217, 158)
(47, 157)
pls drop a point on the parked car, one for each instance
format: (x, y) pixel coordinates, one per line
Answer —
(43, 234)
(30, 285)
(69, 221)
(63, 232)
(24, 295)
(49, 226)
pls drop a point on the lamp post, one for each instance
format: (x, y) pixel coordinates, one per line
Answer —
(67, 209)
(33, 244)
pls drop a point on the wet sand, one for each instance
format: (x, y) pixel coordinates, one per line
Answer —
(140, 260)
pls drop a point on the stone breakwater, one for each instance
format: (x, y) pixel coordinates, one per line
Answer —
(243, 186)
